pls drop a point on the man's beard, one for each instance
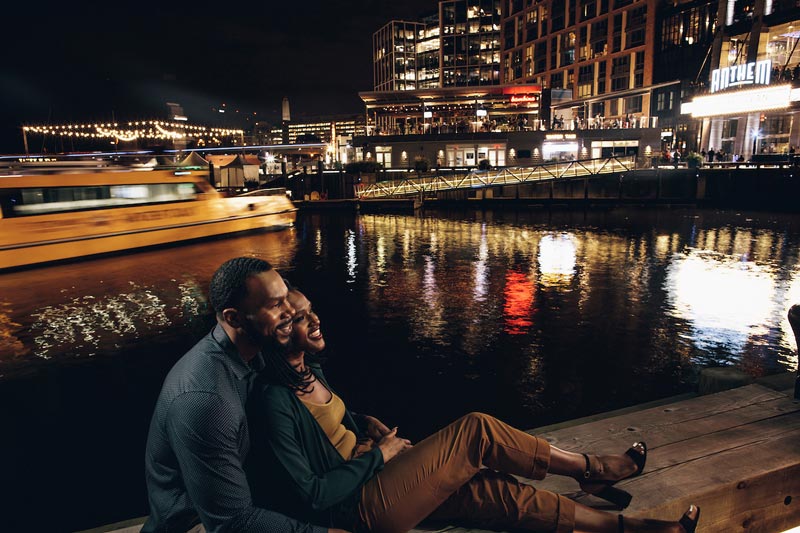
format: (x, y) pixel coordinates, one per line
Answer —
(270, 347)
(268, 344)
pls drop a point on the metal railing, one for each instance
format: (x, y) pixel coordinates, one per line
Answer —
(489, 178)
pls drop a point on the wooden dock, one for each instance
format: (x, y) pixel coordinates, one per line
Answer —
(736, 454)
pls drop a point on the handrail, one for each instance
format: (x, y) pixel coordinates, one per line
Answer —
(478, 179)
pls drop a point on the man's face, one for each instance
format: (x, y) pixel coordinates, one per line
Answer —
(265, 313)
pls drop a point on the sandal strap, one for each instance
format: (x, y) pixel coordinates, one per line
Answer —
(621, 523)
(587, 473)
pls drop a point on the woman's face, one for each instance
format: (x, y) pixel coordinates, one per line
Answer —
(306, 333)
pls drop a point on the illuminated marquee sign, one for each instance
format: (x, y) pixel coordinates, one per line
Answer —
(560, 136)
(524, 98)
(757, 73)
(775, 97)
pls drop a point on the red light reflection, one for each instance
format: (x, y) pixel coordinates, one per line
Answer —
(518, 306)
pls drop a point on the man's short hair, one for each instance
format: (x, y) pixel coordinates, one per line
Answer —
(229, 283)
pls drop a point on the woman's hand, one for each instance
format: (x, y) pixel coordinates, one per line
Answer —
(376, 429)
(390, 445)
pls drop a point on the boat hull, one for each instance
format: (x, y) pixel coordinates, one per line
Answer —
(108, 243)
(39, 239)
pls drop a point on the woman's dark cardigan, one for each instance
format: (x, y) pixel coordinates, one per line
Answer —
(293, 467)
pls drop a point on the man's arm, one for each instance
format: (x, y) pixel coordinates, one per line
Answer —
(205, 437)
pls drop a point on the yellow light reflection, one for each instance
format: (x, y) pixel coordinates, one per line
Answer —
(481, 270)
(557, 255)
(725, 299)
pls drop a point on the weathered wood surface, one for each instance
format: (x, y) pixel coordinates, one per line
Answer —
(736, 454)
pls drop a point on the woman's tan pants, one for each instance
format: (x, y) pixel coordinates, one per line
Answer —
(442, 478)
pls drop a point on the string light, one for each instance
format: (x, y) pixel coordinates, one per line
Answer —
(151, 129)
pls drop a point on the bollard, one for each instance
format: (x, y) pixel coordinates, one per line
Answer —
(794, 320)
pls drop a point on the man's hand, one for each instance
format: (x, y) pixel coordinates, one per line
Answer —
(376, 429)
(390, 445)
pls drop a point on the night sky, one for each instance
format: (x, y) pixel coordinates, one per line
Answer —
(81, 61)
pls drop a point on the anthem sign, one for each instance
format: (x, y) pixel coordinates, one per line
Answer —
(756, 73)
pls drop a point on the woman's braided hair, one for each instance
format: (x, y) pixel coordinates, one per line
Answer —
(278, 370)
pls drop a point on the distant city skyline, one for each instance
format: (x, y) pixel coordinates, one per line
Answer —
(106, 62)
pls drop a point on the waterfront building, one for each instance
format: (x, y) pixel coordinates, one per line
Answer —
(684, 37)
(600, 50)
(749, 101)
(458, 46)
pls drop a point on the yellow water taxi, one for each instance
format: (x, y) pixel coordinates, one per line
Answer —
(54, 216)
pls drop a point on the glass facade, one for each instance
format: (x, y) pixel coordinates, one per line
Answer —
(459, 47)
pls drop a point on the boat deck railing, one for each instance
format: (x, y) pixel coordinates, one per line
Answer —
(472, 179)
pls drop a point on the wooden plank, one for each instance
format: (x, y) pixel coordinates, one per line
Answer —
(647, 423)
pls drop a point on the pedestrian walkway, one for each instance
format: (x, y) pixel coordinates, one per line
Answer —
(472, 179)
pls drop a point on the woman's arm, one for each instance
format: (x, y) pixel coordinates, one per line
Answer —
(286, 442)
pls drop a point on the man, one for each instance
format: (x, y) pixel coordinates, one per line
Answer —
(199, 437)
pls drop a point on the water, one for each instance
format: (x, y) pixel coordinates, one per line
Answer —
(535, 317)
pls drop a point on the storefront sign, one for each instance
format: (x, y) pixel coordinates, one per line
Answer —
(757, 73)
(560, 136)
(524, 98)
(776, 97)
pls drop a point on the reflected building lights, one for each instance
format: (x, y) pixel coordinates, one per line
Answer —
(351, 256)
(79, 325)
(380, 255)
(479, 287)
(518, 306)
(557, 258)
(726, 300)
(10, 345)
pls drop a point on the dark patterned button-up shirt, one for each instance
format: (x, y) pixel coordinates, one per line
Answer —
(198, 442)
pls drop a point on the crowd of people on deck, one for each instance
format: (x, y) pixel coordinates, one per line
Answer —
(510, 123)
(248, 435)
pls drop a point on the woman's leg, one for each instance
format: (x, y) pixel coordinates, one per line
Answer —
(493, 500)
(415, 483)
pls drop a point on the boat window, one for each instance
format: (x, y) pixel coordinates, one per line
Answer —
(41, 200)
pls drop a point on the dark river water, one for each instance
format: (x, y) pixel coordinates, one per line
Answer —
(532, 316)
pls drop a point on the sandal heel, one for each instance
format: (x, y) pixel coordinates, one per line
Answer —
(620, 498)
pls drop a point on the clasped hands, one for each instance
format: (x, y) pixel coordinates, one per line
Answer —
(386, 439)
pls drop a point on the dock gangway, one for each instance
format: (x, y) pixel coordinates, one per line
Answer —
(474, 179)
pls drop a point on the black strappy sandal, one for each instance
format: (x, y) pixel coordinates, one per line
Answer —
(604, 488)
(688, 524)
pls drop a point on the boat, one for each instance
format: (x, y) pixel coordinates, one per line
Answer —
(50, 216)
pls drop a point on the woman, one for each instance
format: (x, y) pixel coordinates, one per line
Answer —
(318, 461)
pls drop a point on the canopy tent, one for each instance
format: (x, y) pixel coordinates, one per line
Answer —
(193, 160)
(233, 170)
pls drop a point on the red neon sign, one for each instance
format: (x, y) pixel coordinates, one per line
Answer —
(522, 98)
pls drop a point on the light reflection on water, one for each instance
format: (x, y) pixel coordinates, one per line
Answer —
(533, 316)
(81, 309)
(570, 302)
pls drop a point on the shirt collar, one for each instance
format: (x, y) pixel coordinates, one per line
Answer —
(241, 369)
